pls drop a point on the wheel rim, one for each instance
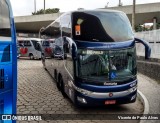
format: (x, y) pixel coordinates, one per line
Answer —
(31, 56)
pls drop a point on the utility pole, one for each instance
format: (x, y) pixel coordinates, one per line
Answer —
(44, 6)
(119, 2)
(133, 15)
(35, 6)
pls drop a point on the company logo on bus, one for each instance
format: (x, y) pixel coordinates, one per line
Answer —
(109, 83)
(23, 50)
(110, 94)
(48, 50)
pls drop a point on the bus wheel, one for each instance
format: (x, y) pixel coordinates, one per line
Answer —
(55, 75)
(43, 61)
(62, 88)
(31, 56)
(58, 82)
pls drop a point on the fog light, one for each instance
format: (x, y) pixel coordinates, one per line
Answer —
(82, 100)
(133, 97)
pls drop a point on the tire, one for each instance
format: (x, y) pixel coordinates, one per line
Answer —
(62, 89)
(58, 83)
(31, 56)
(55, 75)
(65, 56)
(43, 61)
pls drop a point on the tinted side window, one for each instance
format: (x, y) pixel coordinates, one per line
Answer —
(66, 25)
(69, 61)
(27, 43)
(46, 43)
(21, 43)
(5, 27)
(59, 42)
(36, 45)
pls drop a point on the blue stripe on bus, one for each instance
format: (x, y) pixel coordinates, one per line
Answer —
(116, 88)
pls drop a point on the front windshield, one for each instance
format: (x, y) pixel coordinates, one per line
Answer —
(102, 66)
(46, 43)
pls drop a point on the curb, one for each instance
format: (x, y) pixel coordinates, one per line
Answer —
(144, 100)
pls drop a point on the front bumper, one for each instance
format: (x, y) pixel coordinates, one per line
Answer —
(90, 101)
(98, 95)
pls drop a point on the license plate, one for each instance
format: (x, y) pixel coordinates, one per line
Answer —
(110, 102)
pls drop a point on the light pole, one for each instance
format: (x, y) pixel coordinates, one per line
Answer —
(119, 2)
(44, 6)
(40, 31)
(133, 15)
(35, 6)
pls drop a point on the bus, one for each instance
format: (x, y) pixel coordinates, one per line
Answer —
(100, 65)
(47, 46)
(30, 47)
(8, 61)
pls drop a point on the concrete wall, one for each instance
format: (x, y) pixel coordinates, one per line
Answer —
(150, 68)
(153, 38)
(33, 23)
(37, 18)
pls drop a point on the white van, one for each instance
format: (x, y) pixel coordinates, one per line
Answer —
(30, 47)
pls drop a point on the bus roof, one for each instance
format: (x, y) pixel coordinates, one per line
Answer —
(95, 10)
(99, 10)
(21, 38)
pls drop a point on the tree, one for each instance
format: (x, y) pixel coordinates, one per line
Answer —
(138, 28)
(47, 11)
(133, 15)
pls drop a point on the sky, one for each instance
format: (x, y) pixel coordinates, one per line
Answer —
(26, 7)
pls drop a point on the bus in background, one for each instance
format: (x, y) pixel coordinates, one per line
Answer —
(58, 49)
(8, 61)
(30, 47)
(100, 65)
(18, 51)
(47, 47)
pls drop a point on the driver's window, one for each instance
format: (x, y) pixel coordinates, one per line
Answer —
(68, 60)
(38, 47)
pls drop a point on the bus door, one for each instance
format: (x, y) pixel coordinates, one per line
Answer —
(8, 61)
(68, 46)
(36, 49)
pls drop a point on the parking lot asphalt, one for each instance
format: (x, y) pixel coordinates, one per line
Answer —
(38, 94)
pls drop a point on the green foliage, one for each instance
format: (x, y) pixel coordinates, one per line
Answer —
(47, 11)
(158, 25)
(139, 28)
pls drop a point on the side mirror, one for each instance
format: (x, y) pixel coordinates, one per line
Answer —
(66, 47)
(74, 51)
(147, 47)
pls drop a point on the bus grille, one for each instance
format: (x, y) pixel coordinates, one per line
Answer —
(1, 78)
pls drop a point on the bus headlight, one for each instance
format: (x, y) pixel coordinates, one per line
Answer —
(83, 91)
(132, 89)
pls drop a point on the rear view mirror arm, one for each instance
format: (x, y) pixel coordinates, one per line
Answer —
(147, 47)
